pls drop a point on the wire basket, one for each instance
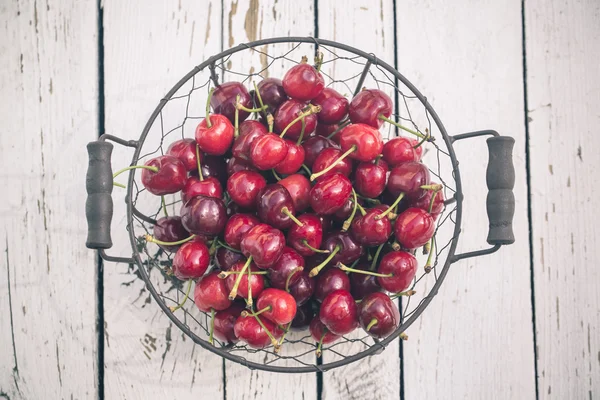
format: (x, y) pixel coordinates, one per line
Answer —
(347, 70)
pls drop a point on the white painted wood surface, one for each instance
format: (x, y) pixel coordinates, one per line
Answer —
(48, 109)
(563, 90)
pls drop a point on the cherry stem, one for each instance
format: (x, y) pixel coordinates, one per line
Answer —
(395, 246)
(234, 290)
(299, 141)
(212, 326)
(152, 239)
(289, 277)
(270, 122)
(187, 294)
(315, 271)
(221, 244)
(406, 293)
(374, 201)
(427, 136)
(318, 61)
(430, 256)
(320, 344)
(275, 174)
(287, 212)
(374, 263)
(360, 271)
(305, 242)
(236, 126)
(431, 201)
(210, 94)
(341, 126)
(249, 300)
(257, 313)
(363, 212)
(348, 222)
(389, 210)
(371, 324)
(403, 336)
(269, 334)
(163, 205)
(396, 124)
(285, 332)
(119, 185)
(240, 106)
(329, 168)
(119, 172)
(260, 100)
(198, 163)
(436, 187)
(225, 274)
(305, 167)
(309, 110)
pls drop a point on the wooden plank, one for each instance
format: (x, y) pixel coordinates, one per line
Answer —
(562, 40)
(246, 21)
(48, 84)
(147, 50)
(475, 340)
(338, 22)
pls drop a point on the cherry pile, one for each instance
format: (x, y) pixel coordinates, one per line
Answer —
(295, 215)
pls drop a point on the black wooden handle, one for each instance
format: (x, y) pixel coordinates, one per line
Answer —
(99, 204)
(500, 178)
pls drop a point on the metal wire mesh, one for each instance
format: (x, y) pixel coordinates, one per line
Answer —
(347, 70)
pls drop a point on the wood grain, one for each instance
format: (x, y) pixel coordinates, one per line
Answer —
(47, 276)
(563, 90)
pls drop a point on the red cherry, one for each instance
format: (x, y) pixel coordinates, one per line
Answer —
(169, 229)
(330, 156)
(298, 187)
(217, 138)
(287, 113)
(343, 213)
(223, 100)
(311, 233)
(413, 228)
(320, 333)
(303, 82)
(363, 284)
(213, 167)
(257, 282)
(326, 130)
(293, 159)
(191, 260)
(313, 147)
(403, 267)
(334, 106)
(303, 289)
(210, 187)
(370, 231)
(349, 250)
(211, 292)
(264, 244)
(304, 314)
(249, 330)
(226, 258)
(272, 93)
(248, 132)
(225, 320)
(280, 305)
(287, 270)
(339, 313)
(330, 194)
(275, 206)
(370, 178)
(185, 150)
(236, 228)
(330, 280)
(267, 151)
(203, 215)
(243, 188)
(365, 140)
(425, 201)
(368, 105)
(401, 149)
(170, 178)
(378, 315)
(238, 164)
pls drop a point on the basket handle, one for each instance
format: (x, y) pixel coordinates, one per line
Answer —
(500, 179)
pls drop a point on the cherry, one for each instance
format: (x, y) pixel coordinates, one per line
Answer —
(303, 289)
(170, 229)
(303, 82)
(170, 175)
(293, 159)
(365, 140)
(349, 250)
(321, 334)
(213, 167)
(330, 280)
(330, 194)
(414, 227)
(370, 178)
(378, 315)
(225, 320)
(343, 213)
(250, 330)
(287, 270)
(264, 244)
(248, 132)
(275, 207)
(363, 284)
(334, 106)
(401, 149)
(339, 313)
(313, 147)
(298, 187)
(223, 100)
(244, 186)
(368, 105)
(257, 282)
(226, 258)
(304, 314)
(287, 113)
(185, 150)
(272, 93)
(211, 292)
(303, 238)
(425, 202)
(368, 230)
(236, 228)
(209, 187)
(191, 260)
(408, 178)
(214, 134)
(326, 222)
(204, 215)
(326, 130)
(276, 305)
(329, 156)
(403, 267)
(239, 164)
(267, 151)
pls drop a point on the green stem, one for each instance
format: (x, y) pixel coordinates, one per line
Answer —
(406, 293)
(199, 163)
(260, 100)
(311, 110)
(285, 332)
(212, 326)
(370, 200)
(221, 244)
(315, 271)
(427, 137)
(320, 344)
(119, 185)
(371, 324)
(341, 126)
(348, 222)
(225, 274)
(396, 124)
(270, 122)
(287, 212)
(255, 314)
(319, 61)
(236, 126)
(269, 334)
(164, 206)
(374, 263)
(119, 172)
(240, 106)
(289, 277)
(275, 174)
(305, 242)
(360, 271)
(299, 141)
(363, 212)
(249, 300)
(234, 290)
(210, 94)
(435, 187)
(187, 294)
(430, 256)
(152, 239)
(305, 167)
(329, 168)
(389, 210)
(431, 201)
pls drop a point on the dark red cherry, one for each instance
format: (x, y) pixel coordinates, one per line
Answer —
(274, 206)
(311, 233)
(326, 222)
(211, 292)
(368, 105)
(299, 188)
(264, 244)
(365, 139)
(257, 282)
(334, 106)
(210, 187)
(215, 139)
(272, 93)
(213, 167)
(313, 147)
(248, 132)
(403, 267)
(343, 213)
(303, 289)
(413, 228)
(226, 258)
(330, 156)
(408, 178)
(363, 284)
(425, 201)
(370, 178)
(287, 270)
(287, 113)
(320, 333)
(293, 159)
(185, 150)
(339, 313)
(329, 280)
(243, 188)
(349, 249)
(224, 322)
(303, 82)
(401, 149)
(330, 194)
(249, 330)
(223, 100)
(326, 130)
(238, 164)
(169, 229)
(280, 305)
(304, 314)
(267, 151)
(170, 178)
(203, 215)
(236, 228)
(191, 260)
(378, 315)
(370, 231)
